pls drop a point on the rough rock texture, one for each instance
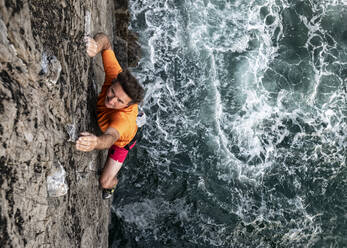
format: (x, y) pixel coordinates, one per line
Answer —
(48, 89)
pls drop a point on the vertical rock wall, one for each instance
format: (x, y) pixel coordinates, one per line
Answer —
(48, 89)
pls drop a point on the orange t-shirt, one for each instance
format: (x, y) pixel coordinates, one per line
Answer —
(123, 120)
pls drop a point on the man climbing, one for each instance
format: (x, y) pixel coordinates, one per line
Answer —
(117, 109)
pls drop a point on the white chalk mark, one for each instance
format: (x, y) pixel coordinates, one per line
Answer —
(71, 130)
(87, 20)
(56, 185)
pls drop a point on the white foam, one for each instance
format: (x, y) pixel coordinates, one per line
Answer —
(218, 42)
(144, 214)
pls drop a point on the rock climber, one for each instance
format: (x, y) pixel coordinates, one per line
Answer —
(117, 109)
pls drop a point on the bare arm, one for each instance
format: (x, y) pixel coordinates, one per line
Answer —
(98, 44)
(88, 141)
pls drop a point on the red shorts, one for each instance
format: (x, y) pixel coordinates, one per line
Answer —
(119, 153)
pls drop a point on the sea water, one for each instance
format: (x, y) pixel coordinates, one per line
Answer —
(246, 134)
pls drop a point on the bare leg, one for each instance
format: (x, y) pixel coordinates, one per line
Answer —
(108, 178)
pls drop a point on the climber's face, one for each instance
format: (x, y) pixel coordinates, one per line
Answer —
(116, 98)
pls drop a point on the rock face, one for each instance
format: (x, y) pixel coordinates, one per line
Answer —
(48, 90)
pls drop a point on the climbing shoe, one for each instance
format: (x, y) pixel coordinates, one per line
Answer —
(107, 193)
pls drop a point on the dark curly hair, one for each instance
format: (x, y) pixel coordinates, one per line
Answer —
(130, 86)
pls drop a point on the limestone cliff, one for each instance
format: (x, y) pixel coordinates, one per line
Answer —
(48, 89)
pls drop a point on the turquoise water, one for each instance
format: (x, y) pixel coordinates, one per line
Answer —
(245, 144)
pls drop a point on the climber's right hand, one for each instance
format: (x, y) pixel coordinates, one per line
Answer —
(91, 46)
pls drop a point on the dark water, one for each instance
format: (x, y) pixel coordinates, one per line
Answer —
(245, 144)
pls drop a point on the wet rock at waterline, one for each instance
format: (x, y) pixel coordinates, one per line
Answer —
(48, 89)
